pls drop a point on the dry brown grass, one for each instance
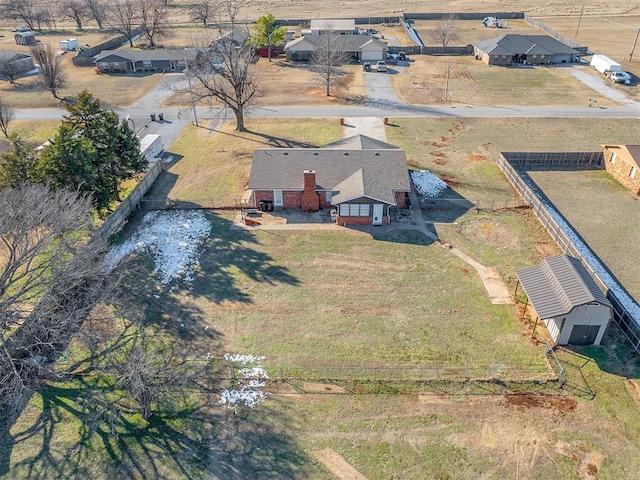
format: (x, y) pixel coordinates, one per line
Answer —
(471, 31)
(471, 82)
(121, 90)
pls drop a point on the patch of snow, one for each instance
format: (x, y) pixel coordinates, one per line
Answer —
(173, 238)
(243, 359)
(427, 184)
(248, 392)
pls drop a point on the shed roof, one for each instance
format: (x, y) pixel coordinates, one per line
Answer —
(333, 24)
(351, 173)
(8, 56)
(558, 285)
(516, 44)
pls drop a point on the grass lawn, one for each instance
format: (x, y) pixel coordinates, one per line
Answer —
(34, 131)
(471, 82)
(215, 165)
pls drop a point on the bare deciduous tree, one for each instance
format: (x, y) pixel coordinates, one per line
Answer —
(446, 31)
(203, 11)
(51, 278)
(9, 68)
(123, 17)
(154, 20)
(96, 9)
(6, 115)
(21, 10)
(223, 70)
(327, 60)
(74, 10)
(52, 76)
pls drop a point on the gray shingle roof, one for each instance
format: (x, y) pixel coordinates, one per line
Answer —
(360, 142)
(515, 44)
(376, 174)
(558, 285)
(159, 54)
(7, 56)
(344, 43)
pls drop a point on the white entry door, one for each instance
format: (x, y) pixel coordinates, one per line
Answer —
(277, 198)
(377, 213)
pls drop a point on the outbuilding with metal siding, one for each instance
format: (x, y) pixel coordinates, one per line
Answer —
(567, 300)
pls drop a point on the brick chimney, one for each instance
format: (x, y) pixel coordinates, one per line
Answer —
(310, 199)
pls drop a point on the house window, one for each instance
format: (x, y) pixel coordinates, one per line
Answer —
(328, 195)
(632, 173)
(613, 158)
(354, 210)
(146, 63)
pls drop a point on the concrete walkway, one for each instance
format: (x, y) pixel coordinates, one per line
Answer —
(370, 126)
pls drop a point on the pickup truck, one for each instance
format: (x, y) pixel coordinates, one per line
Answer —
(620, 77)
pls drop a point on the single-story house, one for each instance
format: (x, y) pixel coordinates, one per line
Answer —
(358, 47)
(360, 178)
(25, 38)
(158, 60)
(341, 26)
(524, 49)
(17, 62)
(567, 300)
(623, 163)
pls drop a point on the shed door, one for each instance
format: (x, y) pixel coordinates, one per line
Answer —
(377, 213)
(584, 334)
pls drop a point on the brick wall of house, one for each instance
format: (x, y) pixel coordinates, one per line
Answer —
(346, 221)
(400, 199)
(621, 169)
(323, 201)
(291, 199)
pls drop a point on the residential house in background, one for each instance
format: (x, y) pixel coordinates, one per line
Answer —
(358, 47)
(513, 49)
(19, 62)
(623, 163)
(158, 60)
(359, 177)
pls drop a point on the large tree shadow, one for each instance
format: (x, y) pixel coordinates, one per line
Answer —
(193, 441)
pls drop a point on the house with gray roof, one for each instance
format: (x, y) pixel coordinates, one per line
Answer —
(359, 47)
(13, 64)
(514, 49)
(567, 300)
(341, 26)
(156, 60)
(360, 178)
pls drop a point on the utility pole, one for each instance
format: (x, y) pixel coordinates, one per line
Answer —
(635, 40)
(193, 103)
(579, 21)
(446, 82)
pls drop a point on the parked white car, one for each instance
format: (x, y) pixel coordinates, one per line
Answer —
(381, 66)
(620, 77)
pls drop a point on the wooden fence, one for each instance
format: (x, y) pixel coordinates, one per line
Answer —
(583, 49)
(85, 57)
(120, 215)
(626, 310)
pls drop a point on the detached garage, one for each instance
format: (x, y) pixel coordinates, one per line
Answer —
(567, 300)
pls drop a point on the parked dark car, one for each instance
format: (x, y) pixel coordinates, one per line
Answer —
(366, 67)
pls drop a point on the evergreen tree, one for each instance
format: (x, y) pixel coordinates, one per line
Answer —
(93, 151)
(18, 166)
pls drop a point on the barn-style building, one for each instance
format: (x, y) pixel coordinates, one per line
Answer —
(567, 300)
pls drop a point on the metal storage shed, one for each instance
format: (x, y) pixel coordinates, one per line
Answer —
(567, 300)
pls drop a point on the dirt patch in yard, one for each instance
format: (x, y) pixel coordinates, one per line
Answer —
(526, 400)
(489, 231)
